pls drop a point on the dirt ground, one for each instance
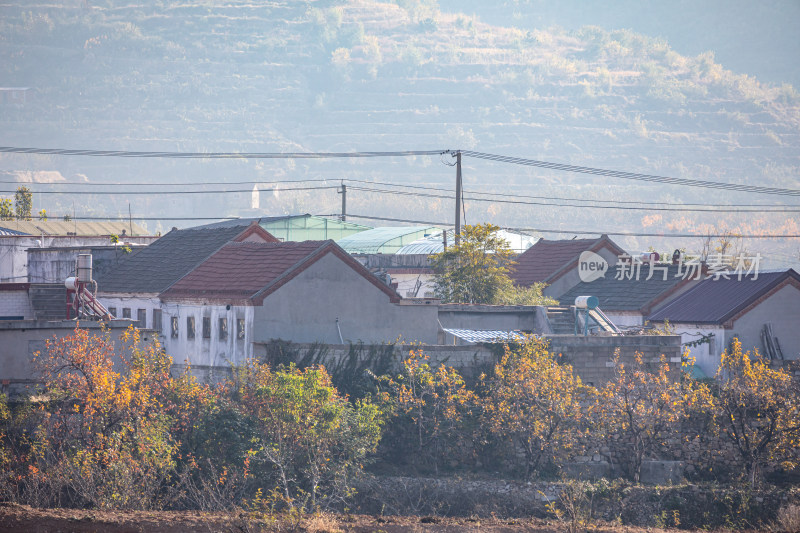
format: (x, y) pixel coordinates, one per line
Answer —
(21, 518)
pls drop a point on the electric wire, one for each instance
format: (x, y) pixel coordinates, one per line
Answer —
(217, 155)
(186, 191)
(765, 209)
(560, 197)
(584, 232)
(756, 189)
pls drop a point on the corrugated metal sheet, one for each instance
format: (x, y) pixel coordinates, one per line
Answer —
(475, 335)
(60, 227)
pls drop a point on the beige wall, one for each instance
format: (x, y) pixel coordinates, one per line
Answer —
(306, 309)
(782, 310)
(20, 339)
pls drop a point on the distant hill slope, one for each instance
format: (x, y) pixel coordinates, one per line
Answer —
(365, 75)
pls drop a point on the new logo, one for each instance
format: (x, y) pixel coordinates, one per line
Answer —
(591, 266)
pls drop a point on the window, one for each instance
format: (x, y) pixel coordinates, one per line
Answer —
(206, 327)
(157, 320)
(113, 311)
(141, 318)
(240, 328)
(174, 323)
(126, 312)
(223, 329)
(190, 327)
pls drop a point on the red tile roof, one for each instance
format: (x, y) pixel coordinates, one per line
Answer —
(155, 268)
(546, 259)
(250, 271)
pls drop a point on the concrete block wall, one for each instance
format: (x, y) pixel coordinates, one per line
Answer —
(15, 303)
(592, 357)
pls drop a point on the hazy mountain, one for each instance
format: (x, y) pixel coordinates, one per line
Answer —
(361, 75)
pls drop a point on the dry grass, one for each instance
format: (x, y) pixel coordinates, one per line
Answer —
(788, 519)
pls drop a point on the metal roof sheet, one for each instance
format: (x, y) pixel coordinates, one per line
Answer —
(60, 227)
(476, 335)
(715, 301)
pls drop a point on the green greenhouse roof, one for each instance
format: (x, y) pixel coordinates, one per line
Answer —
(386, 240)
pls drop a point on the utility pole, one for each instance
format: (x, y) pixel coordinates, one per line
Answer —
(343, 192)
(458, 198)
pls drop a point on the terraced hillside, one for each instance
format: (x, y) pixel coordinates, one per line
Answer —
(364, 75)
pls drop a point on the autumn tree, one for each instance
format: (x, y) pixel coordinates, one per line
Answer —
(641, 410)
(534, 403)
(106, 438)
(23, 203)
(758, 409)
(432, 406)
(311, 437)
(476, 270)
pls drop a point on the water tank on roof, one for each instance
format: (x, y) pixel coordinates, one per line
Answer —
(85, 268)
(586, 302)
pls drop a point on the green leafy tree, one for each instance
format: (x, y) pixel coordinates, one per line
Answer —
(515, 295)
(476, 270)
(23, 203)
(6, 209)
(311, 438)
(758, 409)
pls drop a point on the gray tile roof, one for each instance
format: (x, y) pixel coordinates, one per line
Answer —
(626, 294)
(717, 301)
(155, 268)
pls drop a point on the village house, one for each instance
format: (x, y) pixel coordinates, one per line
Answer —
(555, 263)
(18, 236)
(762, 310)
(131, 289)
(628, 298)
(306, 292)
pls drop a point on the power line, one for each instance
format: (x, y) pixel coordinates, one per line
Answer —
(478, 155)
(582, 232)
(216, 155)
(767, 209)
(192, 191)
(133, 184)
(632, 175)
(639, 202)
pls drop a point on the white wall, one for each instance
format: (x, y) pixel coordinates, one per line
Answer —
(212, 351)
(14, 255)
(198, 351)
(706, 356)
(118, 302)
(625, 319)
